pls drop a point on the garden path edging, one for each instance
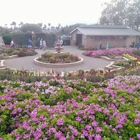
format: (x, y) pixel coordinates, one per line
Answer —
(58, 65)
(8, 57)
(2, 66)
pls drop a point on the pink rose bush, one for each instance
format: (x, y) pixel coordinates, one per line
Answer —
(70, 110)
(108, 52)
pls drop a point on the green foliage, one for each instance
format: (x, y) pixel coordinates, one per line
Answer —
(123, 63)
(1, 30)
(31, 27)
(7, 38)
(19, 38)
(136, 52)
(121, 12)
(49, 38)
(49, 57)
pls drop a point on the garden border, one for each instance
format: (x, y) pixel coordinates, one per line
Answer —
(58, 64)
(8, 57)
(2, 66)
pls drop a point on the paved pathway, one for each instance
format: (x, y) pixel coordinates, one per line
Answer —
(28, 63)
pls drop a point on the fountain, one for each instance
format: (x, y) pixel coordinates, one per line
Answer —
(58, 48)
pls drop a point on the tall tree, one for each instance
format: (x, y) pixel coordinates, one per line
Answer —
(40, 24)
(5, 26)
(14, 24)
(20, 24)
(121, 12)
(31, 27)
(49, 24)
(44, 27)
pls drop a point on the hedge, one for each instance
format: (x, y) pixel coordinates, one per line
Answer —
(21, 39)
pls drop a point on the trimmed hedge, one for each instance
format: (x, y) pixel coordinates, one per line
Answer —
(21, 39)
(7, 38)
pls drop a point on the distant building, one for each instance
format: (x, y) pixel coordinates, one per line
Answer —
(117, 36)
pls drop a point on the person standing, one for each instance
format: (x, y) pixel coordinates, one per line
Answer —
(100, 46)
(44, 45)
(107, 45)
(29, 44)
(41, 43)
(138, 45)
(61, 42)
(12, 44)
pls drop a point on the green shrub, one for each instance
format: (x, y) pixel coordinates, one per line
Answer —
(7, 38)
(136, 52)
(47, 55)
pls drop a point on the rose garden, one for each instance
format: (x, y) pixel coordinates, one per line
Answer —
(92, 104)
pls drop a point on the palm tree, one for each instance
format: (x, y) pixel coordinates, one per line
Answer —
(44, 27)
(40, 24)
(14, 24)
(21, 23)
(11, 24)
(59, 25)
(49, 24)
(5, 25)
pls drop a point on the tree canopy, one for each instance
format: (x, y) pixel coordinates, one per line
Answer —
(31, 27)
(121, 12)
(1, 30)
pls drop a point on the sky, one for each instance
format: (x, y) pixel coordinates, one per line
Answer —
(65, 12)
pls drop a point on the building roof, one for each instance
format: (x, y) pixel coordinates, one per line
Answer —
(99, 30)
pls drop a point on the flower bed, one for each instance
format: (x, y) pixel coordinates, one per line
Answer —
(49, 57)
(91, 75)
(101, 75)
(109, 52)
(17, 51)
(71, 110)
(123, 63)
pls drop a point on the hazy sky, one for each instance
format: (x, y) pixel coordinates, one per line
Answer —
(65, 12)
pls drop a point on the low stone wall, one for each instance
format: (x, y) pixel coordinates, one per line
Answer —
(112, 59)
(57, 65)
(111, 66)
(2, 66)
(8, 57)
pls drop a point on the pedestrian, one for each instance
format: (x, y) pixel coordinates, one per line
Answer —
(12, 44)
(101, 46)
(133, 44)
(44, 45)
(41, 43)
(138, 45)
(29, 44)
(98, 47)
(107, 45)
(61, 42)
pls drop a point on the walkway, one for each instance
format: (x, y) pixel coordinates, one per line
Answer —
(28, 63)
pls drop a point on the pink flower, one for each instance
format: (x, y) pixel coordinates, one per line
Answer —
(14, 112)
(98, 129)
(94, 124)
(97, 137)
(44, 125)
(74, 132)
(58, 135)
(19, 110)
(137, 121)
(60, 122)
(138, 135)
(78, 119)
(62, 138)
